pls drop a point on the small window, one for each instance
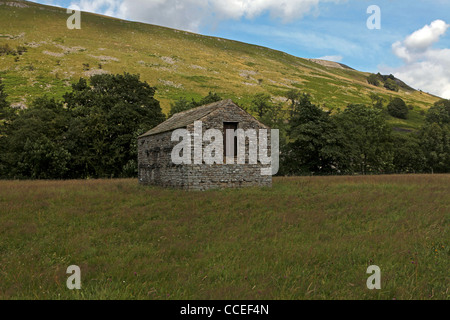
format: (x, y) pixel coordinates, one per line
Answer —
(229, 139)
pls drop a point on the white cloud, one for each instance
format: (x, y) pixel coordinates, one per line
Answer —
(191, 14)
(425, 67)
(107, 7)
(287, 10)
(422, 39)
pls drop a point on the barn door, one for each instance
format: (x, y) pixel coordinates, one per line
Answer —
(229, 140)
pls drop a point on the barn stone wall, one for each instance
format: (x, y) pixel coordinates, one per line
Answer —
(157, 168)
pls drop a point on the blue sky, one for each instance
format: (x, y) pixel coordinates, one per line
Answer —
(334, 29)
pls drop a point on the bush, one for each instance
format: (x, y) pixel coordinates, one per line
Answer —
(5, 49)
(21, 50)
(4, 105)
(439, 112)
(398, 108)
(373, 80)
(390, 84)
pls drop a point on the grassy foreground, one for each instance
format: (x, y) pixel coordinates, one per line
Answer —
(306, 238)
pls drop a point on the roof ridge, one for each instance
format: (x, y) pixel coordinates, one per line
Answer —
(202, 106)
(182, 119)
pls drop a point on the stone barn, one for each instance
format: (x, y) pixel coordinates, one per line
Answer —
(155, 150)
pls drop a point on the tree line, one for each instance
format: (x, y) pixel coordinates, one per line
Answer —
(357, 140)
(92, 133)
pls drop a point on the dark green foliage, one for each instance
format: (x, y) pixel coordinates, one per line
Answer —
(261, 104)
(398, 108)
(21, 50)
(35, 142)
(4, 105)
(377, 100)
(293, 96)
(210, 98)
(5, 49)
(373, 79)
(439, 112)
(108, 116)
(435, 142)
(391, 85)
(367, 137)
(182, 104)
(315, 145)
(408, 155)
(388, 81)
(43, 159)
(269, 113)
(5, 114)
(435, 137)
(92, 133)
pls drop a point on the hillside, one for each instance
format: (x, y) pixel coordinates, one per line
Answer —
(178, 63)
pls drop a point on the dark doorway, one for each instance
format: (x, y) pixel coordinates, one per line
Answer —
(229, 139)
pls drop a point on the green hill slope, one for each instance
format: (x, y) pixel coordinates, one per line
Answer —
(178, 63)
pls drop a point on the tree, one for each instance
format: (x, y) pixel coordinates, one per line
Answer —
(367, 139)
(408, 155)
(5, 113)
(398, 108)
(314, 143)
(44, 159)
(182, 104)
(210, 98)
(3, 96)
(36, 142)
(261, 104)
(435, 137)
(435, 143)
(439, 113)
(269, 113)
(377, 100)
(108, 116)
(179, 106)
(5, 109)
(293, 96)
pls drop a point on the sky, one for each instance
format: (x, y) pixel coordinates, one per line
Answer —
(410, 39)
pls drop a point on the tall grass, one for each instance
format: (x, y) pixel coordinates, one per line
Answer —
(305, 238)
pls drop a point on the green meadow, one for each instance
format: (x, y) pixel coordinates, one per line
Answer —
(304, 238)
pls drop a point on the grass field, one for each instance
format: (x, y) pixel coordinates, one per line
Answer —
(305, 238)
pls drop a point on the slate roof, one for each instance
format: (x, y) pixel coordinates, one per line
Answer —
(182, 119)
